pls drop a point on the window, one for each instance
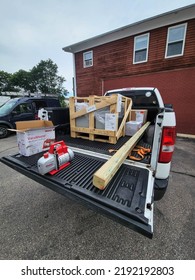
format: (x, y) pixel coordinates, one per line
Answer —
(38, 104)
(23, 108)
(175, 40)
(88, 59)
(141, 44)
(140, 98)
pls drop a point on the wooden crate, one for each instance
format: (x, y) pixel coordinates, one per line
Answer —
(94, 104)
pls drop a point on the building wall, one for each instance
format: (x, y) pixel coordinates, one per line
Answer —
(177, 87)
(113, 67)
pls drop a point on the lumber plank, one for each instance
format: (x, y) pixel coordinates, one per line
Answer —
(104, 174)
(91, 118)
(100, 105)
(94, 131)
(118, 134)
(72, 121)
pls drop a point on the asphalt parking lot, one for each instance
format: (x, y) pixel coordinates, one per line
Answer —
(37, 223)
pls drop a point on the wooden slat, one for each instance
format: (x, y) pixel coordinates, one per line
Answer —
(72, 121)
(102, 176)
(122, 125)
(91, 118)
(94, 131)
(100, 105)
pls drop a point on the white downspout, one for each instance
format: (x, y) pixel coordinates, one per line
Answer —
(74, 75)
(102, 87)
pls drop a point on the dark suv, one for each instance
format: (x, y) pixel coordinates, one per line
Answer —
(22, 109)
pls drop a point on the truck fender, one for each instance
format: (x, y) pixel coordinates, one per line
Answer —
(9, 125)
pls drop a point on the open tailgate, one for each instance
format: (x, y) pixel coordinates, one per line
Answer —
(128, 198)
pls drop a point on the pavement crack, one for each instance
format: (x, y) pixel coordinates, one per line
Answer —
(183, 173)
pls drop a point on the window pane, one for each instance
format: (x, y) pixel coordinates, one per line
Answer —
(140, 56)
(88, 63)
(141, 42)
(176, 34)
(25, 108)
(88, 56)
(175, 48)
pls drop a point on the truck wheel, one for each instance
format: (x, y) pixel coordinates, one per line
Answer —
(3, 131)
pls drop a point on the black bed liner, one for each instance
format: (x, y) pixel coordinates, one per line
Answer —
(102, 147)
(123, 199)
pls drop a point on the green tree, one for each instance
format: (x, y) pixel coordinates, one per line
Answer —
(5, 83)
(41, 78)
(22, 80)
(62, 100)
(45, 79)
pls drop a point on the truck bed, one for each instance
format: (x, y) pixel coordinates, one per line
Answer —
(124, 199)
(102, 147)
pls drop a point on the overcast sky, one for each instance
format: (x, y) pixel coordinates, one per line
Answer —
(35, 30)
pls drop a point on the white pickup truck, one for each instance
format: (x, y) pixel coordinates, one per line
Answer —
(130, 195)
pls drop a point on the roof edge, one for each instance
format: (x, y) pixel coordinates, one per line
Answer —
(167, 18)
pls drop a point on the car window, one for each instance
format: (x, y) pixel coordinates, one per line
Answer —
(53, 103)
(140, 97)
(23, 108)
(39, 104)
(8, 106)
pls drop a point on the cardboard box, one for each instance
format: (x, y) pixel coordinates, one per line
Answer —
(34, 136)
(132, 127)
(100, 117)
(111, 122)
(139, 115)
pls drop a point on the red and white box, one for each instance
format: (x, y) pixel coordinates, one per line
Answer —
(34, 136)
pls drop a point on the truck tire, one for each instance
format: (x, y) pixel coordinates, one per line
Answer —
(4, 132)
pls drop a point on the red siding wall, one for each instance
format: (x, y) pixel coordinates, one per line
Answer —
(176, 87)
(113, 67)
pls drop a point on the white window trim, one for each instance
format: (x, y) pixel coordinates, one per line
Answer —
(84, 61)
(184, 39)
(147, 48)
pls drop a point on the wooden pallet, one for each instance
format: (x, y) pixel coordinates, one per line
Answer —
(94, 104)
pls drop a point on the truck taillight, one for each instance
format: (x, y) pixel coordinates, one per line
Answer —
(167, 144)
